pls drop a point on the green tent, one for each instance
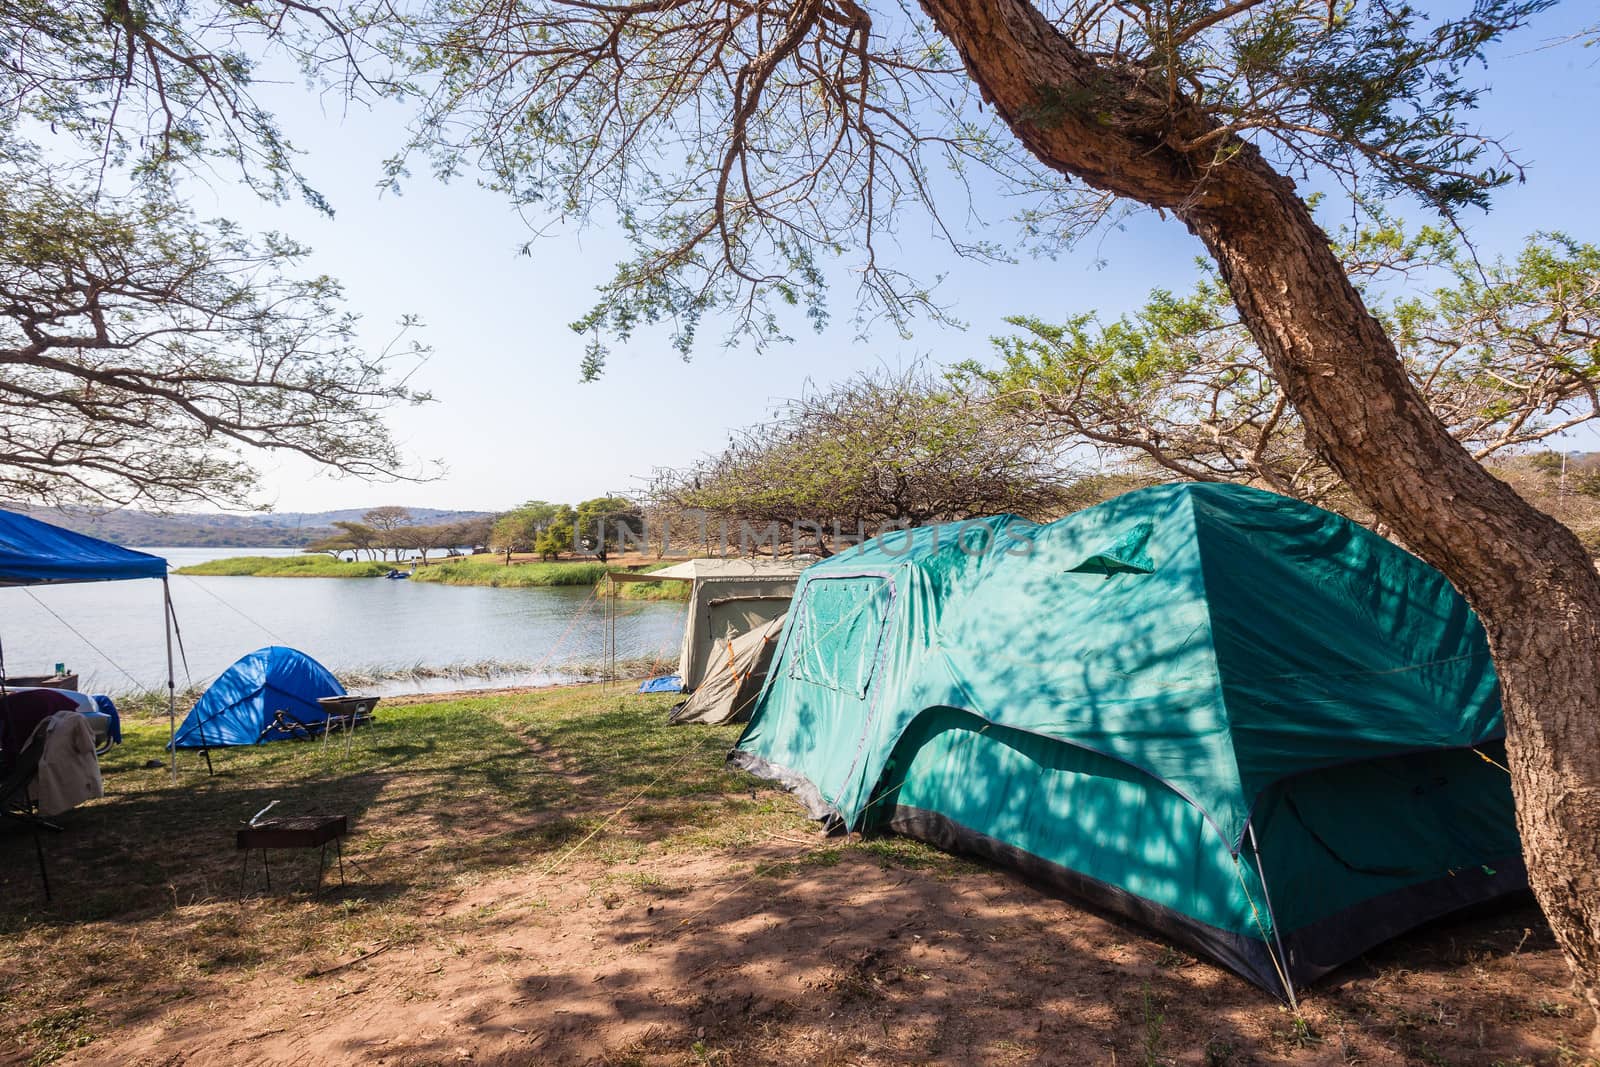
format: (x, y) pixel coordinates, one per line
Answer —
(1245, 721)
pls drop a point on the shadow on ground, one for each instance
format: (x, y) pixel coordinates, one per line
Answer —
(577, 883)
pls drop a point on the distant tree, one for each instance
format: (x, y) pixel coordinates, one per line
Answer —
(518, 530)
(335, 545)
(556, 539)
(542, 514)
(514, 531)
(471, 534)
(362, 538)
(1567, 488)
(422, 538)
(606, 523)
(1506, 354)
(1088, 490)
(387, 518)
(387, 521)
(878, 451)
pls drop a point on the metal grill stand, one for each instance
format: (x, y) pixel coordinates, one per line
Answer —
(305, 831)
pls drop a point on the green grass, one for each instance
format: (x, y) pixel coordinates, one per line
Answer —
(478, 570)
(146, 881)
(485, 570)
(286, 567)
(493, 571)
(654, 590)
(589, 785)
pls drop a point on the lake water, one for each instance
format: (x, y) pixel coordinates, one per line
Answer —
(537, 636)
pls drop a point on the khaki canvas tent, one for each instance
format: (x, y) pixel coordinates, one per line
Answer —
(733, 678)
(730, 597)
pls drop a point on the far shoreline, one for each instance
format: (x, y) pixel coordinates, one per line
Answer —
(483, 570)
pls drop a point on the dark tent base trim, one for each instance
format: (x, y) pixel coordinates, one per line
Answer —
(798, 784)
(1335, 940)
(1244, 956)
(1312, 950)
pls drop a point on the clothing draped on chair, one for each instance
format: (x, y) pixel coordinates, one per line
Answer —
(69, 773)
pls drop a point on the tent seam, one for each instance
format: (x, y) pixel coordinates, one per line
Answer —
(1237, 845)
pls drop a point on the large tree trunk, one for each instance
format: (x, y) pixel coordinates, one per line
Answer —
(1527, 576)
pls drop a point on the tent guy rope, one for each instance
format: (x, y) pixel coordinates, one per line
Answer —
(79, 634)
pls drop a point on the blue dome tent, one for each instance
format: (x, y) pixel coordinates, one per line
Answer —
(241, 707)
(37, 553)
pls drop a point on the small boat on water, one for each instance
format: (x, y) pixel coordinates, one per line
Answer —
(396, 575)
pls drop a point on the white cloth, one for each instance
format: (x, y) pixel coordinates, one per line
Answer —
(69, 773)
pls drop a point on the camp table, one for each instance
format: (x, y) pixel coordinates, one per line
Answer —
(295, 831)
(346, 713)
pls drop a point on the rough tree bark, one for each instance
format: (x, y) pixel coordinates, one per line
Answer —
(1527, 576)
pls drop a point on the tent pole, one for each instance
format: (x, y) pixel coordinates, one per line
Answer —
(172, 685)
(1266, 896)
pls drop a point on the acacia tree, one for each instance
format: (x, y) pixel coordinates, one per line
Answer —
(743, 143)
(600, 527)
(888, 450)
(334, 545)
(512, 531)
(144, 353)
(1506, 354)
(423, 539)
(472, 534)
(388, 521)
(362, 538)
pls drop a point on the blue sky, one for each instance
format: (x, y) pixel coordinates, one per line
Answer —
(512, 421)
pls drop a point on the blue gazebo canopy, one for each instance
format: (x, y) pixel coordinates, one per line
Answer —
(37, 553)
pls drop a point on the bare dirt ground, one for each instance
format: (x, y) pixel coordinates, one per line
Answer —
(554, 897)
(860, 962)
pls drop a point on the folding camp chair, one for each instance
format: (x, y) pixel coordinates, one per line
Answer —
(15, 804)
(289, 724)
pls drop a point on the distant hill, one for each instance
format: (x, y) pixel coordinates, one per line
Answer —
(283, 529)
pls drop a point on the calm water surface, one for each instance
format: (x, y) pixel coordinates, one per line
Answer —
(540, 635)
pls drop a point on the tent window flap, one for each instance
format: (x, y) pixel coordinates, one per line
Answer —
(841, 623)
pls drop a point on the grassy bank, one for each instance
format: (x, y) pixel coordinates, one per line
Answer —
(477, 570)
(490, 570)
(561, 877)
(316, 566)
(654, 590)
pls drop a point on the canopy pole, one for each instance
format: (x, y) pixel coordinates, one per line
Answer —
(172, 685)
